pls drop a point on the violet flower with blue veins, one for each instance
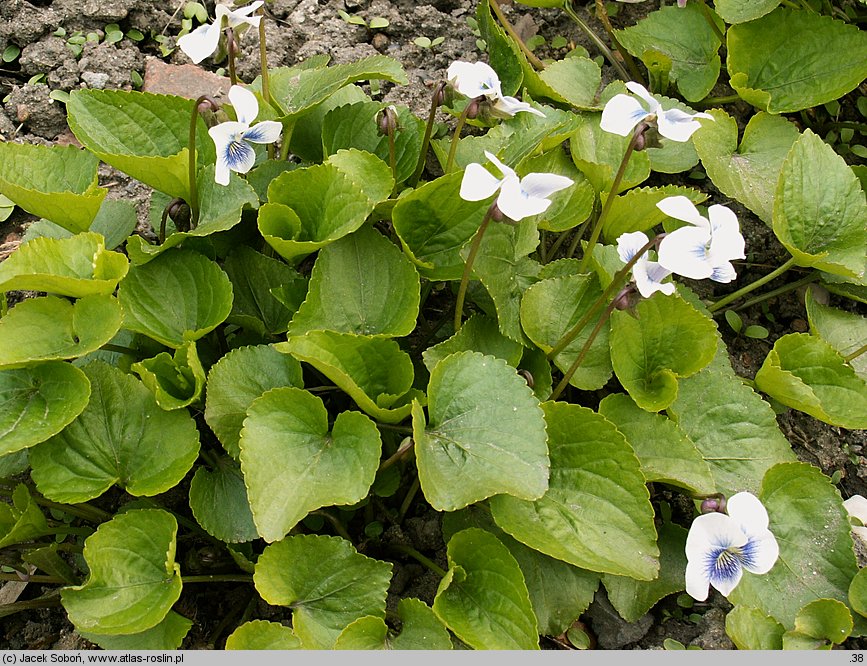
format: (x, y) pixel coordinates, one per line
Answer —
(648, 275)
(203, 41)
(720, 547)
(233, 138)
(623, 113)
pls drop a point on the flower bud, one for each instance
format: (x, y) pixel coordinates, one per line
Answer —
(473, 108)
(386, 120)
(179, 212)
(714, 504)
(623, 301)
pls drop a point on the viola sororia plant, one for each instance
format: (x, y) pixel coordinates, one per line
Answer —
(519, 332)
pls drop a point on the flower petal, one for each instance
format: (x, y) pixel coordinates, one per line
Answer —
(242, 15)
(629, 244)
(856, 506)
(697, 581)
(543, 185)
(201, 42)
(683, 251)
(474, 79)
(726, 572)
(478, 183)
(221, 172)
(723, 273)
(712, 530)
(511, 105)
(638, 89)
(648, 276)
(245, 104)
(678, 125)
(515, 204)
(748, 511)
(621, 114)
(727, 243)
(268, 131)
(506, 171)
(760, 553)
(681, 208)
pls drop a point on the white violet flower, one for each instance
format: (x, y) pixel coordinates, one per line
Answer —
(856, 507)
(622, 113)
(478, 79)
(719, 547)
(705, 248)
(203, 41)
(232, 138)
(647, 275)
(519, 197)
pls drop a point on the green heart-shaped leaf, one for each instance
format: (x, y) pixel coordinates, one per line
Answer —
(735, 431)
(596, 513)
(218, 500)
(480, 334)
(473, 446)
(790, 60)
(56, 183)
(752, 629)
(844, 331)
(142, 134)
(293, 465)
(575, 79)
(39, 401)
(804, 372)
(825, 619)
(552, 307)
(433, 223)
(325, 581)
(263, 635)
(420, 630)
(134, 580)
(236, 380)
(858, 593)
(375, 372)
(360, 284)
(23, 521)
(598, 155)
(749, 172)
(804, 508)
(311, 207)
(176, 380)
(559, 591)
(177, 297)
(483, 598)
(684, 35)
(633, 598)
(51, 328)
(121, 437)
(167, 635)
(820, 214)
(297, 90)
(76, 266)
(741, 11)
(666, 454)
(666, 339)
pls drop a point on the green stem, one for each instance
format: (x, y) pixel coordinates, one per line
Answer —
(597, 225)
(406, 430)
(414, 554)
(288, 128)
(407, 501)
(191, 165)
(4, 304)
(735, 295)
(392, 153)
(120, 349)
(602, 46)
(812, 277)
(616, 284)
(453, 150)
(83, 510)
(510, 30)
(218, 578)
(587, 344)
(428, 131)
(855, 354)
(33, 578)
(336, 524)
(67, 529)
(602, 15)
(705, 10)
(714, 101)
(468, 267)
(230, 49)
(402, 450)
(266, 75)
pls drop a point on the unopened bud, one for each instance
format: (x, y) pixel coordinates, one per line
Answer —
(439, 96)
(179, 212)
(496, 214)
(623, 301)
(386, 120)
(715, 504)
(473, 107)
(528, 377)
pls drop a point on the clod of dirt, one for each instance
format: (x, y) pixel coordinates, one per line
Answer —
(41, 115)
(612, 631)
(109, 65)
(713, 631)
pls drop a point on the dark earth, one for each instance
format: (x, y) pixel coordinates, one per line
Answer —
(298, 29)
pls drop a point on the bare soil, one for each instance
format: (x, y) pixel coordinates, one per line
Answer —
(300, 29)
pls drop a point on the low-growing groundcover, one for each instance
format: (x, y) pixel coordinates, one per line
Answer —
(352, 324)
